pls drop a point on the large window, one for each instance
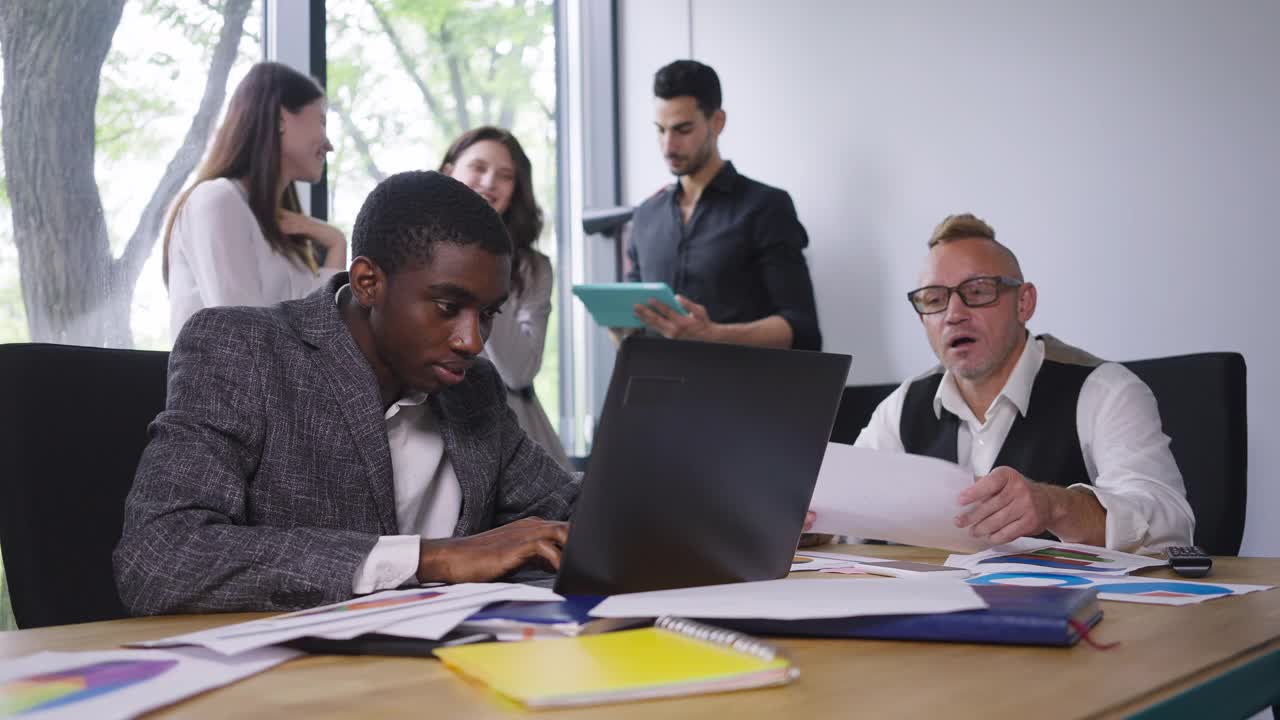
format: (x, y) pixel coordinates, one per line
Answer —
(406, 77)
(106, 108)
(90, 169)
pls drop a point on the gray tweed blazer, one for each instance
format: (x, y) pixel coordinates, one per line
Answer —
(267, 478)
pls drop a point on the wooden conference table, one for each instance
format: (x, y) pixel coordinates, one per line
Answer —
(1217, 659)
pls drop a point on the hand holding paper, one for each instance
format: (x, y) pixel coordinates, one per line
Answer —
(902, 498)
(1006, 506)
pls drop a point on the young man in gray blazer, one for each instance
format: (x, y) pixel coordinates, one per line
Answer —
(351, 441)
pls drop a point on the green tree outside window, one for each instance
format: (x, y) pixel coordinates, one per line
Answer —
(107, 107)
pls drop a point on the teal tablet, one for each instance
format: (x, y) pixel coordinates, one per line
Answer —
(612, 304)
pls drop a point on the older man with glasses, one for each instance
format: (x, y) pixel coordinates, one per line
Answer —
(1058, 440)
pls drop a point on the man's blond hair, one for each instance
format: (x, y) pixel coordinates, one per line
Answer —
(964, 225)
(967, 226)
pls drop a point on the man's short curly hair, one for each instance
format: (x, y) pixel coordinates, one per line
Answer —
(408, 213)
(689, 78)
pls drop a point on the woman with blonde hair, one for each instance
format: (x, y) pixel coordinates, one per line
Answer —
(490, 161)
(237, 236)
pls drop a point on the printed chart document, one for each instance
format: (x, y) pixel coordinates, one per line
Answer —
(427, 613)
(1148, 590)
(901, 498)
(797, 600)
(120, 683)
(428, 627)
(1035, 555)
(1031, 562)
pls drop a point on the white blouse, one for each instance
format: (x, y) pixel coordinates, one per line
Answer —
(515, 347)
(519, 332)
(219, 256)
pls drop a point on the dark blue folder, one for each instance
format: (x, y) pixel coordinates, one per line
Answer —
(573, 609)
(1016, 616)
(567, 617)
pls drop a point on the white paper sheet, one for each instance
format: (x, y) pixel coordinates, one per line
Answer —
(119, 683)
(1168, 592)
(430, 627)
(437, 624)
(1151, 591)
(808, 561)
(901, 498)
(850, 570)
(1034, 555)
(798, 599)
(845, 557)
(369, 613)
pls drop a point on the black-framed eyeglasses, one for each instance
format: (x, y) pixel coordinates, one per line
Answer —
(975, 292)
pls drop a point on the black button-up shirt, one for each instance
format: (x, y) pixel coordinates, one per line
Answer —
(740, 254)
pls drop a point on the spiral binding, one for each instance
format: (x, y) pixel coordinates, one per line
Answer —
(732, 639)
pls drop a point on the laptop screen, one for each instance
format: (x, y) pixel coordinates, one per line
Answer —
(703, 466)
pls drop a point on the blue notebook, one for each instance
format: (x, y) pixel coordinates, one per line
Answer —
(1016, 616)
(517, 620)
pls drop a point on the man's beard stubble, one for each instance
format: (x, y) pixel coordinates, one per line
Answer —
(698, 162)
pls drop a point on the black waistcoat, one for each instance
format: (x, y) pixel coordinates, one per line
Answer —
(1043, 445)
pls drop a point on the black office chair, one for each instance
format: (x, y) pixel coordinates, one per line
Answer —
(857, 402)
(1202, 400)
(72, 428)
(1203, 406)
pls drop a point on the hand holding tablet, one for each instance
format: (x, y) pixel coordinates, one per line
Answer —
(612, 305)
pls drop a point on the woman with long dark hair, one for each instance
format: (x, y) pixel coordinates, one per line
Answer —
(490, 161)
(237, 236)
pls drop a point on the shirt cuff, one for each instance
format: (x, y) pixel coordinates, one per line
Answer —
(804, 330)
(392, 562)
(1127, 527)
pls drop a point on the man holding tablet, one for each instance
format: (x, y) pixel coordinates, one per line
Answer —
(730, 247)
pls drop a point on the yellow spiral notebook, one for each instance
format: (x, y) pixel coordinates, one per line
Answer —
(675, 657)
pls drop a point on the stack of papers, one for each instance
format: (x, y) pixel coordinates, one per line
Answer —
(792, 600)
(807, 561)
(1036, 555)
(126, 683)
(1030, 562)
(426, 613)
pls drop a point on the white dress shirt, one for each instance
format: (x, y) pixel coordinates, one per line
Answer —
(1126, 452)
(428, 497)
(219, 256)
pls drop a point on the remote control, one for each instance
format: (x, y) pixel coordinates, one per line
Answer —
(1189, 561)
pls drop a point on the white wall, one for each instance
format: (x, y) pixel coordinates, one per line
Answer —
(651, 34)
(1128, 152)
